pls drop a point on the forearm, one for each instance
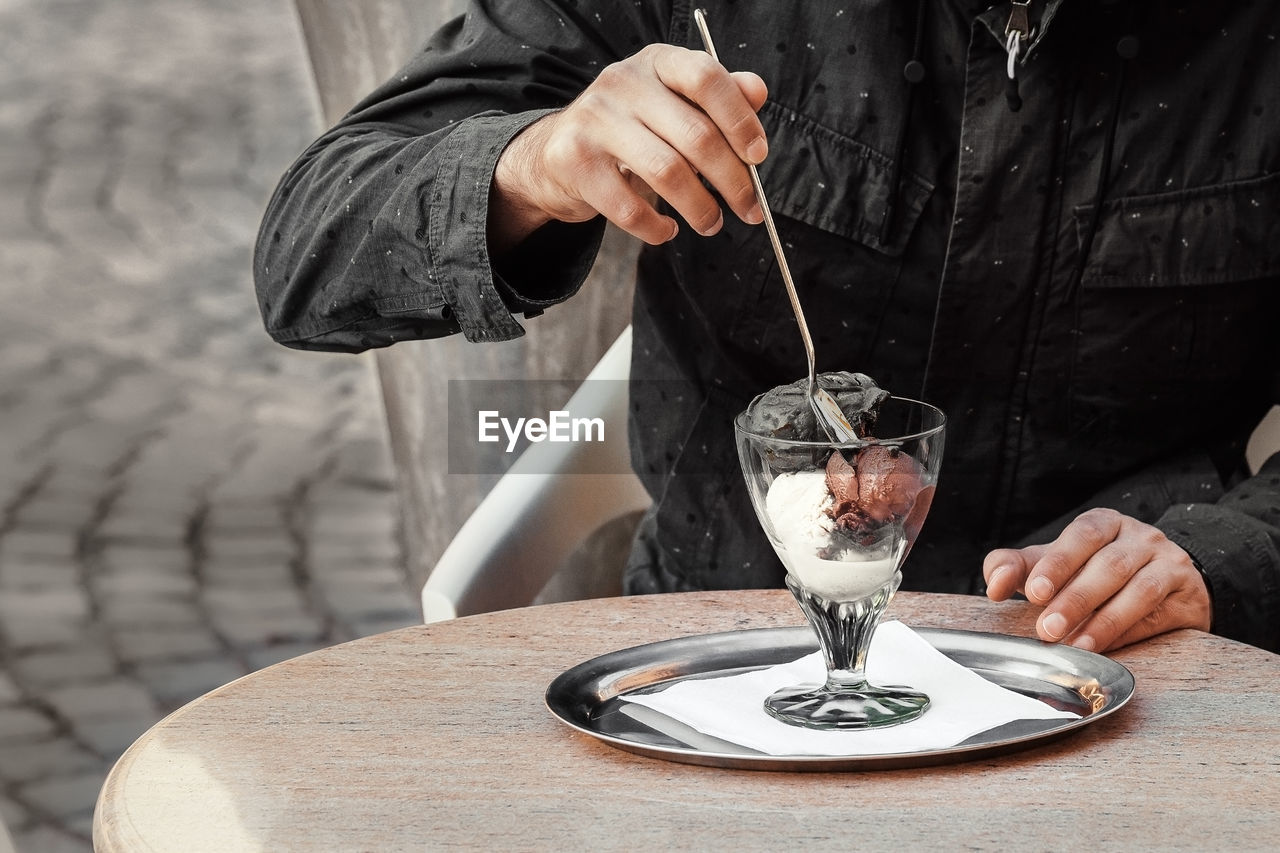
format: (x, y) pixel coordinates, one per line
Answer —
(375, 236)
(380, 231)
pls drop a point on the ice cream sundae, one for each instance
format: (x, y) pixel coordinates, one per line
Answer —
(841, 519)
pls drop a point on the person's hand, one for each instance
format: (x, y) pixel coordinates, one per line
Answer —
(1107, 581)
(648, 126)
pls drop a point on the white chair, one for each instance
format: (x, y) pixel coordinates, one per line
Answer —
(1265, 440)
(540, 512)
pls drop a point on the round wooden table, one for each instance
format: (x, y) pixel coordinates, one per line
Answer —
(437, 736)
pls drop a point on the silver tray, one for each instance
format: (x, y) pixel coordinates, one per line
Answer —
(586, 696)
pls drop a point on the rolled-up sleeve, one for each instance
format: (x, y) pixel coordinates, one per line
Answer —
(378, 232)
(1236, 543)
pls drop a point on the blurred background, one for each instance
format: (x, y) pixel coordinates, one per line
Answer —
(182, 501)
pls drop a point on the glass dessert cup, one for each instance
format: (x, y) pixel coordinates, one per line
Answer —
(842, 519)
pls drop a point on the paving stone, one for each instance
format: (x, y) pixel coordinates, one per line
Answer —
(29, 631)
(267, 655)
(265, 544)
(132, 397)
(38, 543)
(234, 574)
(37, 572)
(69, 796)
(354, 604)
(96, 446)
(47, 839)
(13, 815)
(136, 645)
(28, 424)
(81, 825)
(61, 388)
(367, 522)
(141, 583)
(364, 461)
(19, 723)
(249, 602)
(17, 472)
(70, 481)
(117, 698)
(112, 737)
(58, 603)
(56, 513)
(35, 759)
(273, 468)
(252, 631)
(242, 517)
(141, 525)
(148, 611)
(161, 559)
(170, 503)
(175, 684)
(204, 454)
(353, 552)
(344, 575)
(54, 668)
(386, 622)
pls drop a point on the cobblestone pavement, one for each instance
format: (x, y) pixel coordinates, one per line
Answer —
(181, 500)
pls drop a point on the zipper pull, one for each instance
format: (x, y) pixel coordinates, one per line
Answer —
(1017, 29)
(1019, 19)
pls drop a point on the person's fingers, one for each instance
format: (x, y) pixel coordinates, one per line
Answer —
(1113, 571)
(616, 198)
(705, 82)
(1139, 603)
(1005, 570)
(694, 137)
(661, 121)
(1066, 555)
(1176, 611)
(1164, 595)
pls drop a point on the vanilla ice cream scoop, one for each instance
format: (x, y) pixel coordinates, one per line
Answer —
(799, 506)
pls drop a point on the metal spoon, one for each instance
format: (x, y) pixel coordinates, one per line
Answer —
(825, 407)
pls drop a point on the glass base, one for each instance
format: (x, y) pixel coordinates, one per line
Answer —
(864, 708)
(846, 701)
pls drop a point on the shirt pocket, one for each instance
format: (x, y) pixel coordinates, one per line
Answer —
(828, 193)
(1178, 311)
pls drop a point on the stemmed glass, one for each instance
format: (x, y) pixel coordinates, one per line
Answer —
(842, 519)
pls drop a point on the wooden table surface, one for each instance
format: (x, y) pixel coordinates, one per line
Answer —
(437, 736)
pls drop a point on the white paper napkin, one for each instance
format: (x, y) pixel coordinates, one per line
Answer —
(962, 703)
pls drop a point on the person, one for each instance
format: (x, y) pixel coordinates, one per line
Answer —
(1055, 219)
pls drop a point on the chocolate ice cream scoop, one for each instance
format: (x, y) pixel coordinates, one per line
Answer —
(842, 482)
(888, 482)
(880, 485)
(785, 411)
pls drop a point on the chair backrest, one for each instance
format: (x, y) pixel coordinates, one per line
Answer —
(1265, 440)
(353, 47)
(559, 524)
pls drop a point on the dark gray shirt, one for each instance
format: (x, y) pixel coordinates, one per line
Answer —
(946, 236)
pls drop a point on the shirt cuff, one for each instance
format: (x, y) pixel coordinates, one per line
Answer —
(1233, 559)
(457, 241)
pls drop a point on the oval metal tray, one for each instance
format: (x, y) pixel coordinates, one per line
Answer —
(586, 696)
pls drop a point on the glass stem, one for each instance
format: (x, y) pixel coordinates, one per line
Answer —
(844, 630)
